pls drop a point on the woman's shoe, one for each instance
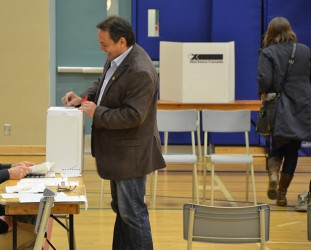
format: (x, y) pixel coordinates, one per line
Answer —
(285, 181)
(274, 165)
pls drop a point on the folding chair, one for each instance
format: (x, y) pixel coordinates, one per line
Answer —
(234, 121)
(178, 121)
(226, 225)
(45, 206)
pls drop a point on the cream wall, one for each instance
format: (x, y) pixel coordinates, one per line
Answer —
(24, 70)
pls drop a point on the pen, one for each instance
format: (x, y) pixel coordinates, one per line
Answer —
(84, 99)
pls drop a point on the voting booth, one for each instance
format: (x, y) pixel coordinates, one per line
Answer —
(197, 72)
(64, 139)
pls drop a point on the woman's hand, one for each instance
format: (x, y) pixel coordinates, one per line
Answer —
(262, 95)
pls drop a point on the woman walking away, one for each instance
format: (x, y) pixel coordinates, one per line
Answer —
(289, 79)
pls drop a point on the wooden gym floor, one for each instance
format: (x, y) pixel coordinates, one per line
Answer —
(288, 228)
(94, 225)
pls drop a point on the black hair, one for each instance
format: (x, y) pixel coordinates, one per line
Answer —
(117, 28)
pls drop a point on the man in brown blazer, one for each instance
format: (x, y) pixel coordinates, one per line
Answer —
(125, 139)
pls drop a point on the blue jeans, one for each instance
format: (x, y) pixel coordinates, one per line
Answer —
(132, 227)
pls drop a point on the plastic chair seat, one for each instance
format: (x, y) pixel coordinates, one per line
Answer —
(184, 159)
(234, 159)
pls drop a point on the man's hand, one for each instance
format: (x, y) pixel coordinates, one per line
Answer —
(71, 99)
(88, 108)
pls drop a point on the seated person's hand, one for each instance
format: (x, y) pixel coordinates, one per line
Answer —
(19, 171)
(24, 163)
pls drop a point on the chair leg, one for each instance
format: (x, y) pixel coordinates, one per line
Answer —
(101, 197)
(247, 181)
(199, 137)
(151, 177)
(206, 167)
(190, 228)
(195, 188)
(212, 183)
(204, 179)
(253, 184)
(262, 229)
(193, 185)
(153, 187)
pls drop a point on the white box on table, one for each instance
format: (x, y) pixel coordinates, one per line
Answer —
(64, 139)
(197, 72)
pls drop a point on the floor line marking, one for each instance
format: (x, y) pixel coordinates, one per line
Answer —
(225, 191)
(289, 224)
(266, 248)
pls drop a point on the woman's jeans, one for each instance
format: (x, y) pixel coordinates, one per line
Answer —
(132, 227)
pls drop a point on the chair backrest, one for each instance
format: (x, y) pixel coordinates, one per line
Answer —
(230, 225)
(177, 121)
(226, 120)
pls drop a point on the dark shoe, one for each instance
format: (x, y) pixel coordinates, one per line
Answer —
(272, 189)
(285, 181)
(274, 165)
(281, 199)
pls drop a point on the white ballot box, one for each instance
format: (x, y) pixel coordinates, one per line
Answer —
(197, 72)
(64, 139)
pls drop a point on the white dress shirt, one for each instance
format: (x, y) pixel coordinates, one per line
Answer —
(114, 64)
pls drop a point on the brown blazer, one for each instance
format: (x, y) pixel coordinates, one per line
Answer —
(125, 137)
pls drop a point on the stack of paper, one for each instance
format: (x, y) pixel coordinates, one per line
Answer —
(42, 168)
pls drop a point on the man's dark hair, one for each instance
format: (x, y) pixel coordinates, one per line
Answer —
(117, 28)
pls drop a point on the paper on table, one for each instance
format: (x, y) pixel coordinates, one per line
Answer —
(11, 196)
(62, 197)
(24, 197)
(31, 197)
(25, 188)
(70, 173)
(48, 181)
(43, 167)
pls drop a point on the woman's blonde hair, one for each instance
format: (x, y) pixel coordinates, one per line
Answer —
(279, 31)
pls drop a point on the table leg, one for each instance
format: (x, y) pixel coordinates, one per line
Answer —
(14, 232)
(71, 233)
